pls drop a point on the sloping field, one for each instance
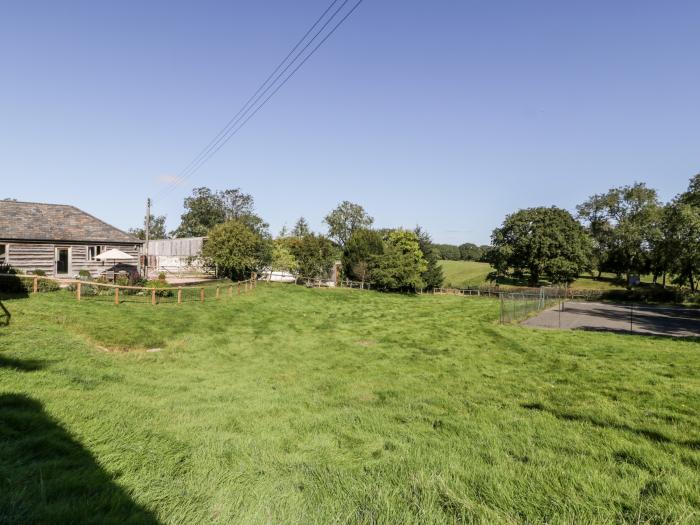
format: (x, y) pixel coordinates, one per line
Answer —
(292, 405)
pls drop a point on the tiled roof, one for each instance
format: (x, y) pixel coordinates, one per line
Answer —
(55, 222)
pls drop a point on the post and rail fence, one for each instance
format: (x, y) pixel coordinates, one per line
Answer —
(84, 290)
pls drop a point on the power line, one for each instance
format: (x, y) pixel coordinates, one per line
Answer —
(240, 119)
(225, 129)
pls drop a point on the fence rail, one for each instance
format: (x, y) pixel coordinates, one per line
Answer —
(118, 294)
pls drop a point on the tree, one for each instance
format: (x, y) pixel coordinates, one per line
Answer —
(315, 255)
(236, 249)
(345, 219)
(542, 242)
(621, 223)
(448, 252)
(301, 228)
(432, 276)
(282, 259)
(359, 250)
(401, 266)
(681, 235)
(156, 229)
(206, 208)
(470, 252)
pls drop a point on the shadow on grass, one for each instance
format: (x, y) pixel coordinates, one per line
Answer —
(48, 477)
(651, 435)
(23, 365)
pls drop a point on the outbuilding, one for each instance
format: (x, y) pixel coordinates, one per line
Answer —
(58, 239)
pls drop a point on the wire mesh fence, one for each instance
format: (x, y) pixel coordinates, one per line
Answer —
(91, 291)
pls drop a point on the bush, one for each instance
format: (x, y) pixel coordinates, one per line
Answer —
(84, 274)
(161, 276)
(40, 273)
(162, 288)
(11, 284)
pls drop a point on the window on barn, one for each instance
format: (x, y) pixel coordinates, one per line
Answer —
(3, 253)
(93, 252)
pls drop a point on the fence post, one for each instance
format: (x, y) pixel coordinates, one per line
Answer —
(201, 294)
(36, 285)
(77, 291)
(179, 295)
(116, 295)
(153, 296)
(217, 292)
(238, 288)
(230, 290)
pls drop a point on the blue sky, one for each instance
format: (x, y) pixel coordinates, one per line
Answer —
(447, 114)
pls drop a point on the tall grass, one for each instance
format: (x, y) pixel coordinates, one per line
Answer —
(294, 405)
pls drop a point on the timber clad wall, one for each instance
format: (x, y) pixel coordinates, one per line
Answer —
(32, 231)
(30, 256)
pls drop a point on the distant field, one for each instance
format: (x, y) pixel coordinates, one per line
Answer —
(460, 274)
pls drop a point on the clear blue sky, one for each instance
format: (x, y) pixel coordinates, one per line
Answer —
(447, 114)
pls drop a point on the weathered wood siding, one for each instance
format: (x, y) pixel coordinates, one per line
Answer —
(29, 257)
(39, 256)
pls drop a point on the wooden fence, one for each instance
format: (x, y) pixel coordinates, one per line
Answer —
(90, 290)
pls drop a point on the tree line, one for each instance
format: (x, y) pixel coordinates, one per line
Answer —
(239, 243)
(626, 231)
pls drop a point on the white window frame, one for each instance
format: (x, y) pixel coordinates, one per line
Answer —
(96, 250)
(4, 256)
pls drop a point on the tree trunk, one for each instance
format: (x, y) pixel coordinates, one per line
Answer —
(663, 282)
(692, 282)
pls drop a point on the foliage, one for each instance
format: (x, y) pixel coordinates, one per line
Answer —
(301, 228)
(622, 223)
(315, 255)
(401, 266)
(362, 246)
(84, 274)
(319, 404)
(39, 272)
(282, 259)
(236, 249)
(206, 209)
(156, 229)
(541, 241)
(448, 252)
(345, 219)
(432, 276)
(162, 288)
(681, 247)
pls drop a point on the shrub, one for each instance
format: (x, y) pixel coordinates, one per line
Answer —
(11, 284)
(162, 288)
(161, 276)
(84, 274)
(40, 273)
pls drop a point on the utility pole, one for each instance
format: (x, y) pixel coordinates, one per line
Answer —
(148, 235)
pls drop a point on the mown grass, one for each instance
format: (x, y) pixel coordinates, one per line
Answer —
(462, 274)
(292, 405)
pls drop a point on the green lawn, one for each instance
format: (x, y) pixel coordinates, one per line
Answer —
(294, 405)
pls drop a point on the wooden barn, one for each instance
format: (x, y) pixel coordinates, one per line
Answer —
(61, 240)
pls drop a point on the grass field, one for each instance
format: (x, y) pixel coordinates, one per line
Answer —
(461, 274)
(294, 405)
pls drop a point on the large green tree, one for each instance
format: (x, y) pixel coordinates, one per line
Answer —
(623, 224)
(345, 219)
(315, 255)
(541, 242)
(236, 249)
(359, 252)
(401, 266)
(432, 276)
(156, 229)
(681, 242)
(301, 228)
(205, 208)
